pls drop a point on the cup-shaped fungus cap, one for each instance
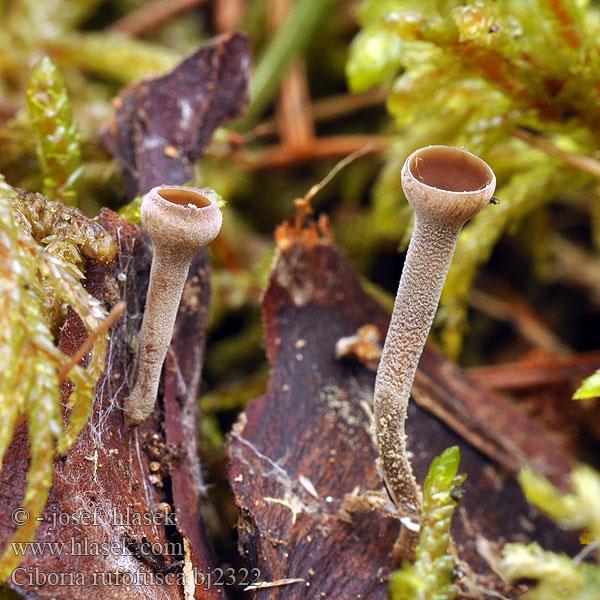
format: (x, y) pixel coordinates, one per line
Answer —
(181, 219)
(447, 185)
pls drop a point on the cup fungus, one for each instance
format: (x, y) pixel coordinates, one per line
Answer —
(446, 187)
(180, 221)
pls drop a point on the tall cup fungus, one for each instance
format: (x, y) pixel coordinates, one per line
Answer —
(180, 221)
(446, 187)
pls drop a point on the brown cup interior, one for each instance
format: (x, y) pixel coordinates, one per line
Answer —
(450, 169)
(184, 197)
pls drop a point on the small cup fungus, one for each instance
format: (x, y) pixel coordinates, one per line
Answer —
(446, 187)
(180, 221)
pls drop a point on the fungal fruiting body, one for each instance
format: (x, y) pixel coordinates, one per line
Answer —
(445, 186)
(180, 221)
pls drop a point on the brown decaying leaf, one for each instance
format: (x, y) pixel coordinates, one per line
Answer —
(301, 458)
(162, 125)
(112, 471)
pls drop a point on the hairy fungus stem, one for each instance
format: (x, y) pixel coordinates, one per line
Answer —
(446, 187)
(180, 221)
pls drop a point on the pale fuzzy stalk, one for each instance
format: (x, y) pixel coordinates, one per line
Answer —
(446, 187)
(167, 278)
(427, 263)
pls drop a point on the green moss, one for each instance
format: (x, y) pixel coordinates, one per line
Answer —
(430, 577)
(30, 269)
(469, 74)
(58, 138)
(557, 576)
(590, 388)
